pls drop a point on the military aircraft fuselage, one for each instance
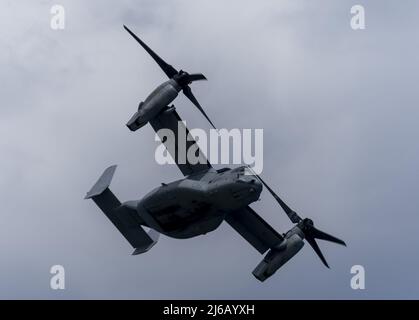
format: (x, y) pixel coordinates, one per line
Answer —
(197, 204)
(162, 96)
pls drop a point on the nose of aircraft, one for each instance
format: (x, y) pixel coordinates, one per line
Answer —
(256, 185)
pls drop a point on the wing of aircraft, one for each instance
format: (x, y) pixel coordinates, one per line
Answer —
(254, 229)
(169, 119)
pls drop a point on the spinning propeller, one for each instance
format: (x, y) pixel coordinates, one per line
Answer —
(183, 78)
(306, 225)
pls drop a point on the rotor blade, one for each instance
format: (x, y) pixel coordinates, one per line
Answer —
(294, 217)
(196, 77)
(318, 234)
(188, 93)
(167, 68)
(316, 248)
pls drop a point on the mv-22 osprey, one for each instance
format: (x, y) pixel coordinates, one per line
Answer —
(205, 198)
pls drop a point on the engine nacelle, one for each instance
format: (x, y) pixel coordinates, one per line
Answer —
(137, 120)
(161, 97)
(278, 256)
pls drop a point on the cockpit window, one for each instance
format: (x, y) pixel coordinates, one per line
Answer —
(223, 170)
(243, 171)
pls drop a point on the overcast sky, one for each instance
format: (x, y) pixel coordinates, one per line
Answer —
(339, 109)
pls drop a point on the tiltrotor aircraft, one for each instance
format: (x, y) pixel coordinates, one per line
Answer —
(205, 198)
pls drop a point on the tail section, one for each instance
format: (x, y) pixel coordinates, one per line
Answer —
(124, 216)
(102, 184)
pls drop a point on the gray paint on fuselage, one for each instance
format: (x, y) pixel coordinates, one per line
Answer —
(198, 203)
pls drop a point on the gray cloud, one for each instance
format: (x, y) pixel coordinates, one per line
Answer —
(338, 109)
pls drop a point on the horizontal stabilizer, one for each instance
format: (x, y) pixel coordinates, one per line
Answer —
(123, 216)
